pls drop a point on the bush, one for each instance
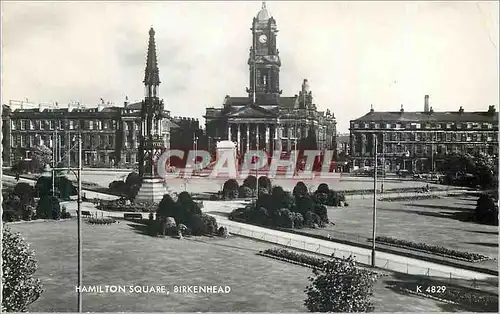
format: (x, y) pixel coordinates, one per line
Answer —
(312, 220)
(340, 286)
(245, 192)
(64, 213)
(222, 232)
(298, 220)
(283, 218)
(19, 287)
(48, 208)
(321, 198)
(322, 213)
(487, 210)
(250, 182)
(118, 186)
(187, 207)
(323, 188)
(203, 225)
(304, 204)
(24, 191)
(300, 190)
(230, 189)
(167, 208)
(64, 187)
(265, 183)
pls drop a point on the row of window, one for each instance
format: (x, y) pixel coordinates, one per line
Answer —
(436, 136)
(426, 149)
(25, 124)
(418, 126)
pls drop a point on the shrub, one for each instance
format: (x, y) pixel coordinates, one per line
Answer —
(321, 198)
(187, 207)
(245, 192)
(167, 208)
(322, 212)
(251, 182)
(323, 188)
(283, 218)
(487, 210)
(263, 191)
(19, 287)
(64, 213)
(24, 191)
(222, 232)
(265, 183)
(133, 178)
(118, 186)
(298, 220)
(312, 220)
(304, 204)
(340, 286)
(300, 190)
(230, 185)
(203, 225)
(64, 187)
(48, 208)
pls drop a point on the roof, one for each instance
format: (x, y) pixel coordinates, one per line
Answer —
(251, 111)
(263, 14)
(287, 102)
(447, 116)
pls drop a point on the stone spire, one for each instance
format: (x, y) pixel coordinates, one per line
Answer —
(151, 74)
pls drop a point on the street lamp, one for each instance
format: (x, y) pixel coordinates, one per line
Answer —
(79, 215)
(195, 147)
(374, 219)
(55, 160)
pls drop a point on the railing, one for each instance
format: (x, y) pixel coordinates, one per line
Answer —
(365, 259)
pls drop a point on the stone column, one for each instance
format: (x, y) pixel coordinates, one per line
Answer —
(229, 132)
(257, 130)
(268, 133)
(239, 138)
(248, 136)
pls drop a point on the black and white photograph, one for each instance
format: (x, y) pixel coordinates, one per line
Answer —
(249, 156)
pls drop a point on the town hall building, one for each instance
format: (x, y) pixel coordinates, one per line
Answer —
(264, 119)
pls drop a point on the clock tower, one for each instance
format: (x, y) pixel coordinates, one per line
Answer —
(264, 61)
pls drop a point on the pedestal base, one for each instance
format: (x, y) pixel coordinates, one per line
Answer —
(152, 190)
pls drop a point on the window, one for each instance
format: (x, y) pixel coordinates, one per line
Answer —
(469, 125)
(448, 125)
(417, 125)
(387, 125)
(91, 125)
(356, 126)
(438, 126)
(427, 126)
(71, 124)
(51, 124)
(22, 125)
(398, 126)
(459, 125)
(32, 125)
(367, 126)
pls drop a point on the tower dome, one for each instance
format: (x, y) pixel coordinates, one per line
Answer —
(263, 14)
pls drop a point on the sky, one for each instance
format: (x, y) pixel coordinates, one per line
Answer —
(354, 54)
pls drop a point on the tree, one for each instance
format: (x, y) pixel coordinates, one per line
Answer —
(20, 287)
(340, 286)
(48, 208)
(482, 168)
(251, 182)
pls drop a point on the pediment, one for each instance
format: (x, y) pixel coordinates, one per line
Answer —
(251, 111)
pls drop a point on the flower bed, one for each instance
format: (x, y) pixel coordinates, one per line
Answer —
(433, 249)
(474, 300)
(100, 221)
(408, 198)
(394, 190)
(294, 256)
(287, 260)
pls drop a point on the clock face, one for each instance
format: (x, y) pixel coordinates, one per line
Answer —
(263, 39)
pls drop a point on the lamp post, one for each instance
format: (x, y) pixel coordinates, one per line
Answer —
(79, 219)
(55, 160)
(374, 224)
(195, 147)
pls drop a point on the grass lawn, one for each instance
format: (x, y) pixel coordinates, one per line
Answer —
(433, 221)
(121, 255)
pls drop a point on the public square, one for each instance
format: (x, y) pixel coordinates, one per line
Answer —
(120, 254)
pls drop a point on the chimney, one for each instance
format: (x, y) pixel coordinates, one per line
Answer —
(461, 110)
(426, 103)
(431, 111)
(371, 108)
(491, 110)
(402, 109)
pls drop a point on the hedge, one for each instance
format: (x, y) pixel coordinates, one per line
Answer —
(100, 221)
(296, 257)
(408, 198)
(433, 249)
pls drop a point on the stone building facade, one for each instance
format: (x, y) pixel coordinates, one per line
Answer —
(264, 119)
(109, 133)
(418, 141)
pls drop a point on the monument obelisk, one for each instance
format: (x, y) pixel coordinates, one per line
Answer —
(151, 145)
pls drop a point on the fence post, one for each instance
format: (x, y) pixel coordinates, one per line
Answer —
(407, 268)
(474, 283)
(428, 270)
(319, 248)
(304, 244)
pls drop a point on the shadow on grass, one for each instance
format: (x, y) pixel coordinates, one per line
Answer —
(483, 232)
(440, 207)
(142, 228)
(484, 244)
(221, 244)
(466, 297)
